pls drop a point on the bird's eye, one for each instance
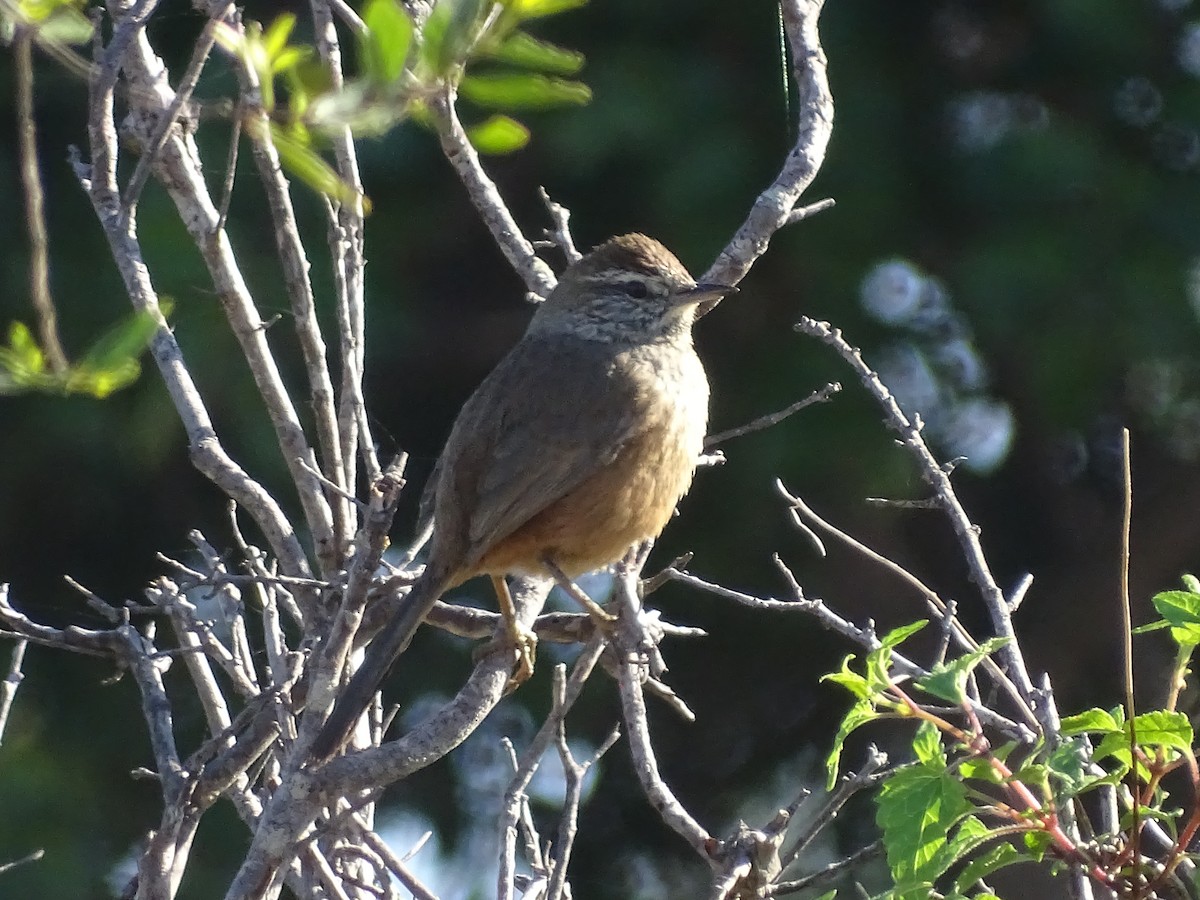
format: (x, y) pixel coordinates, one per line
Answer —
(636, 289)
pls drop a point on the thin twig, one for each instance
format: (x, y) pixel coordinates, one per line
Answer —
(35, 205)
(829, 873)
(8, 689)
(561, 232)
(865, 637)
(527, 765)
(822, 396)
(630, 671)
(943, 610)
(235, 139)
(869, 775)
(1127, 639)
(801, 213)
(774, 207)
(396, 866)
(31, 857)
(347, 250)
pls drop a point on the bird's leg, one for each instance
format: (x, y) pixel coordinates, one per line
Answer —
(524, 640)
(600, 616)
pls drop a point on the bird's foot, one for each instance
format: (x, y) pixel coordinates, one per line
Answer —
(525, 642)
(605, 621)
(515, 637)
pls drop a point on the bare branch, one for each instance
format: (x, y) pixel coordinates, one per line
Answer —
(869, 775)
(329, 662)
(28, 858)
(774, 206)
(560, 233)
(295, 263)
(538, 277)
(177, 166)
(183, 93)
(824, 395)
(864, 637)
(99, 180)
(938, 479)
(514, 794)
(631, 666)
(35, 204)
(940, 608)
(828, 874)
(345, 241)
(8, 690)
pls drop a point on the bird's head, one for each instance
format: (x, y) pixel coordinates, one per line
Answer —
(630, 289)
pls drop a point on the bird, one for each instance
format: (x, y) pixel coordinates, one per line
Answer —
(577, 446)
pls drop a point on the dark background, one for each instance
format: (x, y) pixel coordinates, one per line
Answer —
(1038, 159)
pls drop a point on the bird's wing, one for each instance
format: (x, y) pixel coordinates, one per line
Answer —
(551, 414)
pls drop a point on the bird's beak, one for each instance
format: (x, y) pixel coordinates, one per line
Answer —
(702, 293)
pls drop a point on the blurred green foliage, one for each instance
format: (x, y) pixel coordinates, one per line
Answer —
(1040, 160)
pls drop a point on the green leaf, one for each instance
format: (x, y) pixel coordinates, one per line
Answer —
(1181, 609)
(1167, 817)
(917, 807)
(949, 680)
(978, 768)
(23, 356)
(981, 867)
(527, 52)
(99, 383)
(124, 341)
(289, 58)
(306, 164)
(433, 37)
(66, 25)
(1031, 773)
(1092, 721)
(499, 134)
(523, 91)
(385, 46)
(849, 679)
(879, 660)
(927, 745)
(312, 77)
(275, 38)
(1191, 583)
(1066, 764)
(1036, 843)
(898, 636)
(1169, 731)
(859, 714)
(533, 9)
(111, 363)
(446, 34)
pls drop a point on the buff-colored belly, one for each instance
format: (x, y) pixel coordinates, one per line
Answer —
(629, 500)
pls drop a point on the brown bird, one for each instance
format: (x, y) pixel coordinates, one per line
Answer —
(577, 446)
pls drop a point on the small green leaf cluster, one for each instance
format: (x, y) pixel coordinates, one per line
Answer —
(926, 815)
(926, 810)
(109, 365)
(477, 48)
(53, 21)
(963, 809)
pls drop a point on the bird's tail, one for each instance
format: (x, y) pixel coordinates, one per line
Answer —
(381, 653)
